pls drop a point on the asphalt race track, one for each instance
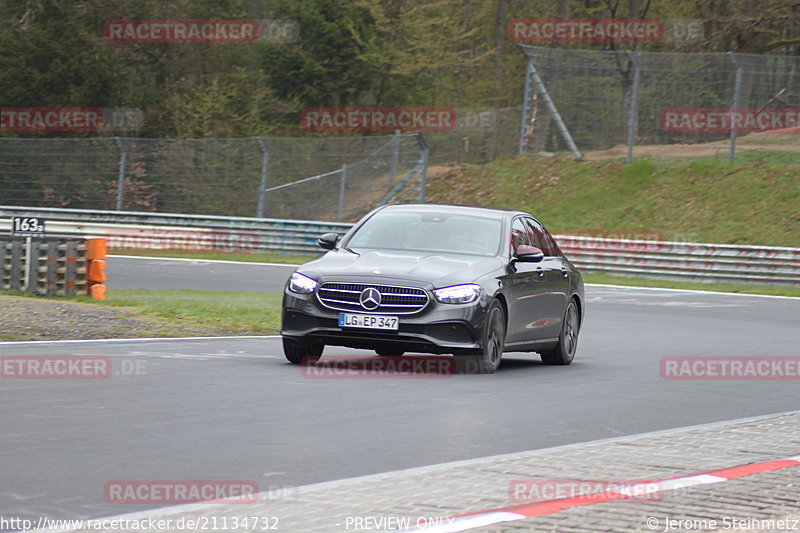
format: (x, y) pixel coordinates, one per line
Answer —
(235, 409)
(128, 272)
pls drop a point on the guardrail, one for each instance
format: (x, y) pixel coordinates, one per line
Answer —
(683, 261)
(643, 258)
(131, 229)
(50, 267)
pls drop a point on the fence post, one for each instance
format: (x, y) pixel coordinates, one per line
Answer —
(633, 116)
(342, 184)
(526, 97)
(123, 164)
(551, 106)
(423, 167)
(423, 177)
(395, 157)
(262, 191)
(737, 96)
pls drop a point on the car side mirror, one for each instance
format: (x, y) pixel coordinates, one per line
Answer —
(528, 254)
(328, 241)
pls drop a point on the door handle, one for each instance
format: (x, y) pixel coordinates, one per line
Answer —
(540, 271)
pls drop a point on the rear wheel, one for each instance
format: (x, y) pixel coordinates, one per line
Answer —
(488, 358)
(296, 350)
(564, 351)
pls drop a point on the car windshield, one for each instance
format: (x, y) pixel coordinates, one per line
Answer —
(429, 232)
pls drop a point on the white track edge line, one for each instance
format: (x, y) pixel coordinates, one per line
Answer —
(696, 291)
(189, 507)
(139, 339)
(288, 265)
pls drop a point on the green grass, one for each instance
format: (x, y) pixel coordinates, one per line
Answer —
(742, 288)
(754, 201)
(766, 157)
(292, 259)
(247, 313)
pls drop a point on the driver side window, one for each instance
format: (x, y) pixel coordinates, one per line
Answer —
(519, 235)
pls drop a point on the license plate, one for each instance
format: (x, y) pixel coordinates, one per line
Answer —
(347, 320)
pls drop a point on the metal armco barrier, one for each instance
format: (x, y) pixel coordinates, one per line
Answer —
(57, 266)
(642, 258)
(188, 232)
(683, 261)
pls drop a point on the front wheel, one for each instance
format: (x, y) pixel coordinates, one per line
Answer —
(493, 341)
(564, 351)
(297, 350)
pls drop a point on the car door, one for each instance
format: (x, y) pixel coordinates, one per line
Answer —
(525, 283)
(556, 279)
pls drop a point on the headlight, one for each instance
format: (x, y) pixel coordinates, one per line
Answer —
(458, 294)
(301, 284)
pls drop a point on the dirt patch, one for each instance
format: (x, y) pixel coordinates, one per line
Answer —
(768, 140)
(26, 318)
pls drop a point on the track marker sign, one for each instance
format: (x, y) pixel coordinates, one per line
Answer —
(27, 227)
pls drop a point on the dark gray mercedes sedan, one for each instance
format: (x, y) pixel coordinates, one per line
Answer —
(442, 279)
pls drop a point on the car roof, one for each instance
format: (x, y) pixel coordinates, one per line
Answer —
(454, 209)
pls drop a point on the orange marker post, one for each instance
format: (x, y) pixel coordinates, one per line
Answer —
(95, 268)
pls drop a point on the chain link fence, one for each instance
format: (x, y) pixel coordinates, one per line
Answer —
(308, 178)
(581, 100)
(393, 171)
(481, 135)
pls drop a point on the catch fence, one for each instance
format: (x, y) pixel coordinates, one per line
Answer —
(331, 178)
(586, 100)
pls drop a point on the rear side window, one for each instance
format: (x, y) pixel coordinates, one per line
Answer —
(540, 238)
(552, 243)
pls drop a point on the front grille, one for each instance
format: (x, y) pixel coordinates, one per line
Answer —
(394, 300)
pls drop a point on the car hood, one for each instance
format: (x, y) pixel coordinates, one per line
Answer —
(436, 269)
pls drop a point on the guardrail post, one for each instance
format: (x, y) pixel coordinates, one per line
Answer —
(51, 268)
(3, 248)
(14, 278)
(262, 190)
(737, 96)
(31, 265)
(123, 167)
(633, 117)
(342, 185)
(70, 259)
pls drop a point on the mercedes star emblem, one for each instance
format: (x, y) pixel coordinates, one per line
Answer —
(370, 299)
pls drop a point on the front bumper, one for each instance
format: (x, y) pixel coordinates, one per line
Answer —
(439, 328)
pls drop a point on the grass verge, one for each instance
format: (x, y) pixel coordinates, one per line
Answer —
(753, 201)
(246, 313)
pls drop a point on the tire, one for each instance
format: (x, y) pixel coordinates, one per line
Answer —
(296, 351)
(387, 351)
(488, 358)
(564, 351)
